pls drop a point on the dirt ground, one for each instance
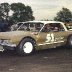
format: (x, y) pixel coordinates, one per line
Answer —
(51, 60)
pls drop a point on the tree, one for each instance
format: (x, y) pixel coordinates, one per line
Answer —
(4, 16)
(4, 11)
(65, 15)
(29, 13)
(21, 12)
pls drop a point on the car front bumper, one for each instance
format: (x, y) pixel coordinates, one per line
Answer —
(7, 43)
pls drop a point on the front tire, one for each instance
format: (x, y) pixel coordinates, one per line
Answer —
(26, 47)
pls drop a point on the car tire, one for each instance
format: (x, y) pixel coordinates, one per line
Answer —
(69, 42)
(26, 47)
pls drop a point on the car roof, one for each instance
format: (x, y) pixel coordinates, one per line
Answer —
(45, 22)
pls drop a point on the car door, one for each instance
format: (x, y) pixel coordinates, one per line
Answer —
(46, 37)
(59, 34)
(52, 38)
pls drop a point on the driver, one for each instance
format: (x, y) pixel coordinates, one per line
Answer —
(47, 28)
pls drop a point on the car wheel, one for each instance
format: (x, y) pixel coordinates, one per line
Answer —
(69, 42)
(26, 47)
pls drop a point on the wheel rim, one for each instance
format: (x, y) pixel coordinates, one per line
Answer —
(28, 47)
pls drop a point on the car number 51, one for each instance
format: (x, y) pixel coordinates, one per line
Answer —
(50, 38)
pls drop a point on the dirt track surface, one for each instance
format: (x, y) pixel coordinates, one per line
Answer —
(51, 60)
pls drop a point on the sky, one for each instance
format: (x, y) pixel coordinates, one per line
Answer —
(44, 9)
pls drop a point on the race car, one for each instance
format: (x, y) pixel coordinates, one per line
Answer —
(36, 35)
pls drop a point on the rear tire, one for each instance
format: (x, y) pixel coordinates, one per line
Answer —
(26, 47)
(69, 42)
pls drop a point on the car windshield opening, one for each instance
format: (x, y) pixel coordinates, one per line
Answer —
(31, 27)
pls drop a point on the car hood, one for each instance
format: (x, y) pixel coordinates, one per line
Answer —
(9, 35)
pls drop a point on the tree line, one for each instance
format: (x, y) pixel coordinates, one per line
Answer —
(64, 15)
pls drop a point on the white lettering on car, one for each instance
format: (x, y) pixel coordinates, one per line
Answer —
(50, 38)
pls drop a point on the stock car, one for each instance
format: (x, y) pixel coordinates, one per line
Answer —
(36, 35)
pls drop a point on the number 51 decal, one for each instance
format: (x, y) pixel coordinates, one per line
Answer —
(50, 38)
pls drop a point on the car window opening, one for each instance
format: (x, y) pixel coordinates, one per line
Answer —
(53, 27)
(31, 27)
